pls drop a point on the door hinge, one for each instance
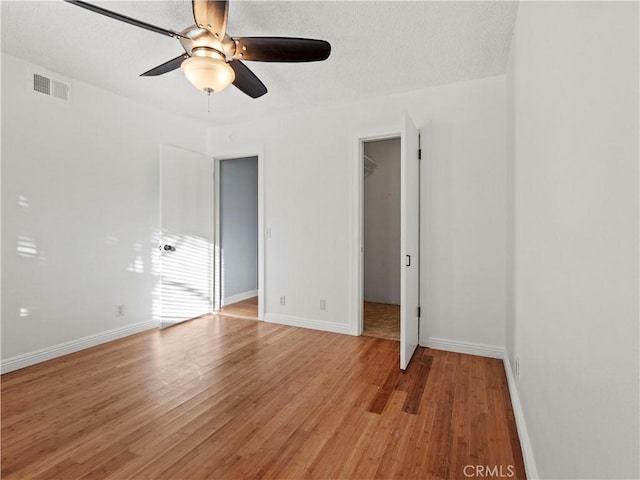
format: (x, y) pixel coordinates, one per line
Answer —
(419, 312)
(419, 154)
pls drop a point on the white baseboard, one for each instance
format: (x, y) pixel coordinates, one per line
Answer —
(381, 300)
(308, 323)
(48, 353)
(523, 434)
(491, 351)
(239, 297)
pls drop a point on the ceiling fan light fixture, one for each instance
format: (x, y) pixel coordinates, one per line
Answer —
(207, 73)
(208, 48)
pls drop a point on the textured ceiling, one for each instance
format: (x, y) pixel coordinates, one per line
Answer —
(377, 48)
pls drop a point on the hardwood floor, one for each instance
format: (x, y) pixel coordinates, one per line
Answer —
(381, 320)
(225, 398)
(244, 309)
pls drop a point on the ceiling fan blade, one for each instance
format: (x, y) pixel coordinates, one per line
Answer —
(125, 19)
(281, 49)
(166, 67)
(212, 15)
(246, 80)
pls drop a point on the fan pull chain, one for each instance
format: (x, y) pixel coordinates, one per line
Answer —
(208, 90)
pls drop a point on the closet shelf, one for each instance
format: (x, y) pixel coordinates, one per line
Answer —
(369, 166)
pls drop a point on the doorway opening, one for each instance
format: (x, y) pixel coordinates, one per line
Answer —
(381, 238)
(409, 258)
(237, 285)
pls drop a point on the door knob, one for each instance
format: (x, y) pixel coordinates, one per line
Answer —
(168, 248)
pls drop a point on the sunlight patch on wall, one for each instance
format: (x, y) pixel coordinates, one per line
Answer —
(111, 240)
(137, 266)
(27, 246)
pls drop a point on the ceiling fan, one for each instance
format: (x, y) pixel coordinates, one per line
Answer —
(212, 58)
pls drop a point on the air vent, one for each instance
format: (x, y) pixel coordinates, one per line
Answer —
(52, 87)
(60, 90)
(41, 84)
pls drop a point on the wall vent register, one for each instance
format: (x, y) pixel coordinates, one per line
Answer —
(51, 87)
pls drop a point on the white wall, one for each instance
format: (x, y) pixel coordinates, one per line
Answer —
(88, 173)
(573, 314)
(239, 227)
(310, 186)
(79, 213)
(382, 223)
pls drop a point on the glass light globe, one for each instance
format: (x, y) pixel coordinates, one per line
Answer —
(206, 73)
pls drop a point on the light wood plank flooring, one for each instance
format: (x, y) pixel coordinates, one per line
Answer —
(244, 309)
(226, 398)
(381, 320)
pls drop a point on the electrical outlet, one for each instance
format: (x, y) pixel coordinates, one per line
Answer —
(517, 367)
(268, 232)
(120, 310)
(323, 304)
(282, 300)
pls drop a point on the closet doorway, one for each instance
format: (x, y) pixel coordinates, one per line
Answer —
(382, 238)
(237, 237)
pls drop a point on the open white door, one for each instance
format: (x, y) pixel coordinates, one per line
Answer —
(409, 239)
(186, 234)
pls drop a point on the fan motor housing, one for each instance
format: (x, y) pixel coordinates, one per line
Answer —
(202, 38)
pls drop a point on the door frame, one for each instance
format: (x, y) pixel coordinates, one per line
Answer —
(356, 253)
(357, 214)
(256, 152)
